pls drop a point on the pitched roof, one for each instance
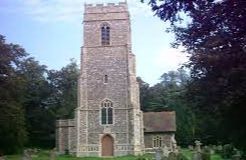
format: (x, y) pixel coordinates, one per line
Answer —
(159, 121)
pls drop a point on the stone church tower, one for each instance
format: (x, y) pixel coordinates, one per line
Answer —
(108, 119)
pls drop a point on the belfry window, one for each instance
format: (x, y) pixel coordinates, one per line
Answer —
(157, 141)
(105, 34)
(106, 112)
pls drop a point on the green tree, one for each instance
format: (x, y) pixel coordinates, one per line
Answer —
(12, 121)
(40, 121)
(32, 98)
(157, 97)
(157, 100)
(144, 93)
(64, 86)
(168, 95)
(175, 87)
(215, 40)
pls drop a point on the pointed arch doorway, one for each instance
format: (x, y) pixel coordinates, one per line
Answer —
(107, 145)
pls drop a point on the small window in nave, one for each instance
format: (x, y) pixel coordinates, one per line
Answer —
(157, 141)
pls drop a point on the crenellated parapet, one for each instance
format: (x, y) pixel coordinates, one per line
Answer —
(105, 4)
(106, 7)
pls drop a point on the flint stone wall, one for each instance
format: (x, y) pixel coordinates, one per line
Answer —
(65, 135)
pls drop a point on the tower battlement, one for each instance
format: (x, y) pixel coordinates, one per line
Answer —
(106, 7)
(105, 4)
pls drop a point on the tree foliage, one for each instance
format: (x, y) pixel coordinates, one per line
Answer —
(32, 98)
(215, 39)
(168, 95)
(40, 121)
(12, 121)
(64, 90)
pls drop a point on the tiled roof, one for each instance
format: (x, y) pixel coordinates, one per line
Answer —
(159, 121)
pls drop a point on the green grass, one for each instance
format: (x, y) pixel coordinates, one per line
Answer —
(188, 154)
(45, 155)
(216, 157)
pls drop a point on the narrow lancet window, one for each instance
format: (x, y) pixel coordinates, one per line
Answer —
(110, 116)
(104, 115)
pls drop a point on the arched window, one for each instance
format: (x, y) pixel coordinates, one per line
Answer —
(157, 141)
(107, 112)
(105, 34)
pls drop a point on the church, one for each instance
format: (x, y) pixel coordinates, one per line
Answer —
(108, 120)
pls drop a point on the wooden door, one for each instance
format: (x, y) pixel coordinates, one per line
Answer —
(107, 146)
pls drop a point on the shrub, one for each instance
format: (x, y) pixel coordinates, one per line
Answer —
(172, 156)
(164, 158)
(218, 149)
(180, 156)
(228, 151)
(142, 158)
(66, 152)
(206, 154)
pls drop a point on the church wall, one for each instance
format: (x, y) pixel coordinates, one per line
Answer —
(113, 63)
(83, 127)
(120, 124)
(63, 139)
(72, 140)
(93, 122)
(64, 135)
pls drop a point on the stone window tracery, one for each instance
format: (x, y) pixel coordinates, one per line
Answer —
(106, 112)
(105, 34)
(157, 141)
